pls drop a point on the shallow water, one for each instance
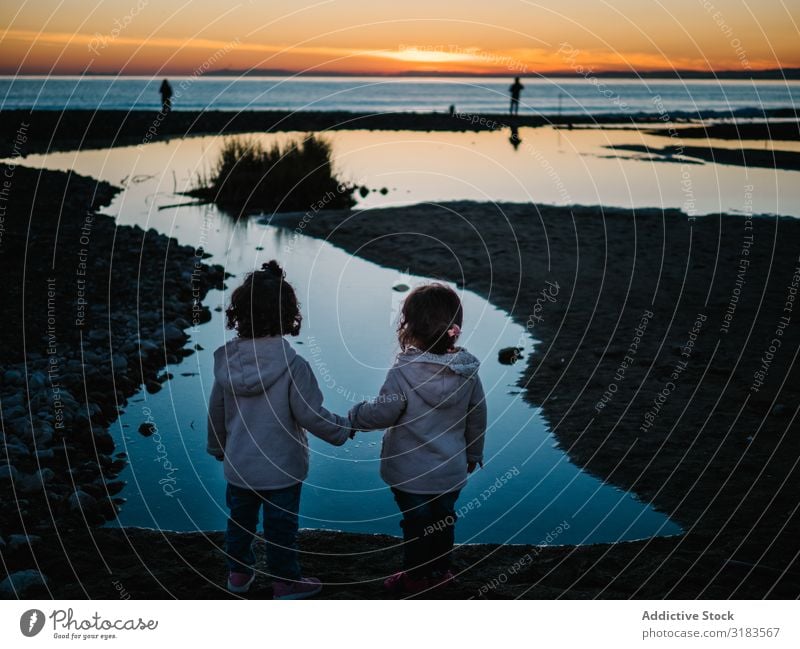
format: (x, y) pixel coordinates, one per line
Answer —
(547, 165)
(528, 488)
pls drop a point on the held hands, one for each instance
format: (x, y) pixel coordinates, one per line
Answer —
(471, 466)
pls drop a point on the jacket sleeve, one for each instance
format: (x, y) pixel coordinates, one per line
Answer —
(216, 422)
(384, 410)
(476, 423)
(305, 400)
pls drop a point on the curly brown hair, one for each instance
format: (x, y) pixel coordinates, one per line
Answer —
(428, 313)
(264, 305)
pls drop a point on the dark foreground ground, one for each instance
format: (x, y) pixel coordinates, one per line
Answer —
(144, 564)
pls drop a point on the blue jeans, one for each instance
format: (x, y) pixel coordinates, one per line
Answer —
(280, 529)
(428, 531)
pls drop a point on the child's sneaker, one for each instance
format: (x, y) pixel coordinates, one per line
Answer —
(306, 587)
(239, 582)
(442, 580)
(403, 583)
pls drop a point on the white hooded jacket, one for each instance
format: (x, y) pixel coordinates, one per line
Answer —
(263, 398)
(434, 412)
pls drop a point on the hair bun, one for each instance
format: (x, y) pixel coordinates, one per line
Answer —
(273, 267)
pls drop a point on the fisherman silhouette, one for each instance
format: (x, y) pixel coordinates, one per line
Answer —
(515, 88)
(166, 96)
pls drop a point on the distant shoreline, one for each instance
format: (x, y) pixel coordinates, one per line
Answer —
(57, 130)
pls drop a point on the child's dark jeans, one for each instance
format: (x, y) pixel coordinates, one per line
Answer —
(428, 531)
(280, 529)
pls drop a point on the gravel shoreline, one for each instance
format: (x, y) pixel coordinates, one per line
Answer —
(93, 313)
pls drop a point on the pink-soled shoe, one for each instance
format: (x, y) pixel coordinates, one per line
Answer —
(401, 583)
(239, 582)
(444, 580)
(306, 587)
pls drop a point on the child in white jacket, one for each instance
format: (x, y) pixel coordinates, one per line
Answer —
(264, 398)
(433, 409)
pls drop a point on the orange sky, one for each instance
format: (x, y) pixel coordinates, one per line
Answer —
(503, 36)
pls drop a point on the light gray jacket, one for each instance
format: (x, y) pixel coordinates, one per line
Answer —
(264, 395)
(434, 412)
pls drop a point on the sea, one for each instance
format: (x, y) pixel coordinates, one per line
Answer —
(587, 95)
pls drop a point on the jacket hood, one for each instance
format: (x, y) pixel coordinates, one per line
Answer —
(248, 366)
(438, 378)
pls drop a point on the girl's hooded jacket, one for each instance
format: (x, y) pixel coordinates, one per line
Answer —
(264, 395)
(434, 412)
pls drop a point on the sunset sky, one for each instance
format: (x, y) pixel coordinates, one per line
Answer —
(154, 37)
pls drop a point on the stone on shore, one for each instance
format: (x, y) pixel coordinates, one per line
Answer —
(23, 584)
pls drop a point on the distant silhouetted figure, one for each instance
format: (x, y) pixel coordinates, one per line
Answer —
(514, 138)
(166, 96)
(452, 110)
(515, 88)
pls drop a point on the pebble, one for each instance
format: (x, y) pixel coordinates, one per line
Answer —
(21, 541)
(8, 473)
(35, 481)
(12, 377)
(22, 584)
(37, 381)
(172, 335)
(80, 500)
(119, 363)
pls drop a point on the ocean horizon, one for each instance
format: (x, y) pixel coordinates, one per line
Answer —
(592, 95)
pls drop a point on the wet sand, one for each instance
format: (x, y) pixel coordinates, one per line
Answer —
(39, 131)
(764, 158)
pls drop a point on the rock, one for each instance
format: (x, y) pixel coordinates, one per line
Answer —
(13, 412)
(35, 481)
(80, 500)
(147, 428)
(36, 381)
(509, 355)
(172, 335)
(8, 473)
(15, 449)
(152, 386)
(103, 441)
(778, 410)
(43, 433)
(115, 486)
(21, 541)
(12, 377)
(119, 363)
(22, 584)
(46, 454)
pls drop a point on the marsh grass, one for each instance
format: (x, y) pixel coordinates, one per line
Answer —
(294, 177)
